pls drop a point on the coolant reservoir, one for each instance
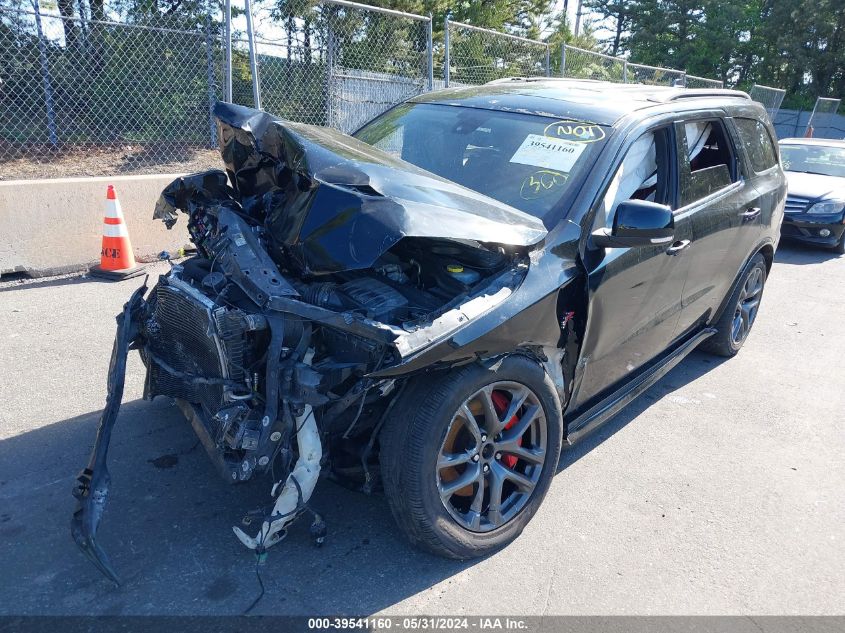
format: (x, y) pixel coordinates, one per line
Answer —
(466, 276)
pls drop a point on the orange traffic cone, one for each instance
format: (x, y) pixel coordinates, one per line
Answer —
(116, 259)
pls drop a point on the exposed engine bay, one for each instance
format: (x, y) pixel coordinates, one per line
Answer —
(207, 343)
(326, 274)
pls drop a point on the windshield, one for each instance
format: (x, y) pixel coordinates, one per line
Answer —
(814, 159)
(523, 160)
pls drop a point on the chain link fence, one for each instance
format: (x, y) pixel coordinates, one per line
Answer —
(132, 93)
(93, 97)
(655, 76)
(475, 56)
(581, 63)
(692, 81)
(770, 98)
(378, 58)
(338, 63)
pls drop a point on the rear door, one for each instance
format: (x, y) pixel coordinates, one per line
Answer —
(761, 162)
(722, 205)
(634, 293)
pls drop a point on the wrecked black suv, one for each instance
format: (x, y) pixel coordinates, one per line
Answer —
(439, 302)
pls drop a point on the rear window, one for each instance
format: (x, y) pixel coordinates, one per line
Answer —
(758, 144)
(710, 160)
(523, 160)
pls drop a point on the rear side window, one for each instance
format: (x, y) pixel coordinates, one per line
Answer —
(758, 144)
(710, 160)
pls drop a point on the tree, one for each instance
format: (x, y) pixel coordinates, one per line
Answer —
(798, 45)
(616, 12)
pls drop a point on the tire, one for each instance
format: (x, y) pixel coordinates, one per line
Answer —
(743, 304)
(840, 245)
(428, 424)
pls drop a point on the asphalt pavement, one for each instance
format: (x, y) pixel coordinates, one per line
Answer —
(720, 491)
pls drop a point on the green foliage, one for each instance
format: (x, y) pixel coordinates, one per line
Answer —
(121, 84)
(798, 45)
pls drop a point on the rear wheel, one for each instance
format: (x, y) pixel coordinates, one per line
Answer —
(468, 456)
(736, 321)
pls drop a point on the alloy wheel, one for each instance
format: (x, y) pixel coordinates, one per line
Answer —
(492, 456)
(747, 306)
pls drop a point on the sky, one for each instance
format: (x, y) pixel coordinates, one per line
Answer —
(264, 26)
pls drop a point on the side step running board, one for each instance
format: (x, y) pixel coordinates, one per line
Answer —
(600, 413)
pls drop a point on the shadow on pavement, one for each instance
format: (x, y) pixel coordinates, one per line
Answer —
(798, 254)
(71, 280)
(167, 527)
(693, 366)
(47, 282)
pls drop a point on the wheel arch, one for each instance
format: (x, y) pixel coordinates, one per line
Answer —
(768, 252)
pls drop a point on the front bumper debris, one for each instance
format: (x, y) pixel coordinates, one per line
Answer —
(92, 484)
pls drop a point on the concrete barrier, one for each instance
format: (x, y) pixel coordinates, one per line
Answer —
(53, 226)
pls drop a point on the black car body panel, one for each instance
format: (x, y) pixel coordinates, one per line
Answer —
(334, 203)
(331, 274)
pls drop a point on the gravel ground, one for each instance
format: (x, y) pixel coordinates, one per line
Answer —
(96, 161)
(717, 492)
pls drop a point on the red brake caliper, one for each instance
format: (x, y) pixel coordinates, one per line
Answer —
(500, 403)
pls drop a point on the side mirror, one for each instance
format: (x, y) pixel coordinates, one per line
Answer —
(637, 223)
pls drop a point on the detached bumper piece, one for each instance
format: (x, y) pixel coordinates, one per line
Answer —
(92, 484)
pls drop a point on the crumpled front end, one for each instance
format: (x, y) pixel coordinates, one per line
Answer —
(327, 275)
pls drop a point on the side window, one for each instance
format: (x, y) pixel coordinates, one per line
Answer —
(758, 144)
(710, 160)
(642, 175)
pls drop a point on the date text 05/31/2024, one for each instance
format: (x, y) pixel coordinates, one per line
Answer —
(435, 623)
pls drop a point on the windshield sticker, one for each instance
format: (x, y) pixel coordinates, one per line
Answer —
(540, 183)
(575, 131)
(542, 151)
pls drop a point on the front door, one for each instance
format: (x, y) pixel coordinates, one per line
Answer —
(634, 294)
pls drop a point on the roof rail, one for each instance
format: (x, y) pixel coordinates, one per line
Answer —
(662, 94)
(505, 80)
(693, 93)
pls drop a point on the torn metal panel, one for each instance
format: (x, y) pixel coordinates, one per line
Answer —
(335, 203)
(297, 489)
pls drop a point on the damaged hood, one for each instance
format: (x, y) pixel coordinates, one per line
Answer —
(332, 202)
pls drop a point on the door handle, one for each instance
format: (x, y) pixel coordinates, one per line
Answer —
(751, 213)
(677, 247)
